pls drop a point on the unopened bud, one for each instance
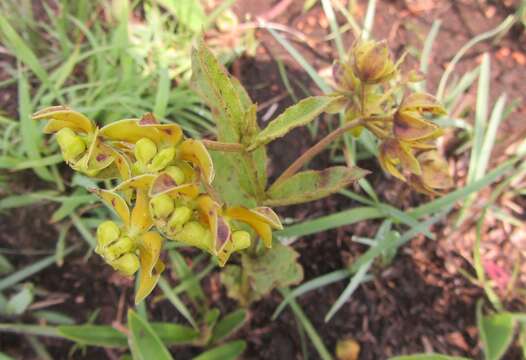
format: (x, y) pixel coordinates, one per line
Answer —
(195, 234)
(180, 216)
(145, 149)
(372, 62)
(107, 232)
(128, 264)
(70, 144)
(240, 240)
(162, 159)
(176, 174)
(162, 206)
(120, 247)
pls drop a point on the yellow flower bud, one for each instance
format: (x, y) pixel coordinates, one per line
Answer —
(70, 144)
(107, 232)
(145, 150)
(128, 264)
(240, 240)
(162, 206)
(180, 216)
(372, 62)
(176, 173)
(117, 249)
(162, 159)
(195, 234)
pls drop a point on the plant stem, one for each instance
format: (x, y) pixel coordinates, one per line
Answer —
(221, 146)
(316, 149)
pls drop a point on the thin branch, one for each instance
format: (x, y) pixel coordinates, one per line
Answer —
(316, 149)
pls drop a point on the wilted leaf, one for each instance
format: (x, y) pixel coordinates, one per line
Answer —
(276, 267)
(312, 185)
(297, 115)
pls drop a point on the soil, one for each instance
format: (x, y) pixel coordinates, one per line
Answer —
(419, 302)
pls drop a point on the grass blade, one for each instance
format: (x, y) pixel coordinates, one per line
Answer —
(309, 329)
(176, 302)
(30, 270)
(501, 28)
(356, 280)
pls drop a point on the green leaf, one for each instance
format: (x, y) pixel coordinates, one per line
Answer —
(235, 117)
(53, 317)
(229, 324)
(94, 335)
(231, 184)
(332, 221)
(214, 85)
(21, 50)
(18, 304)
(189, 13)
(145, 343)
(5, 357)
(174, 334)
(427, 357)
(312, 185)
(5, 266)
(31, 269)
(229, 351)
(296, 115)
(275, 268)
(496, 332)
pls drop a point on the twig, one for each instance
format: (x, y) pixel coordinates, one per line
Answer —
(316, 149)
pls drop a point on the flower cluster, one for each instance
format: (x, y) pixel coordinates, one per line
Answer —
(163, 191)
(405, 128)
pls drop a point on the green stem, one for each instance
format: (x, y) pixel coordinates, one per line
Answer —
(316, 149)
(221, 146)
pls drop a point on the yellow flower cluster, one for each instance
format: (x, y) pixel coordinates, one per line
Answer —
(406, 130)
(162, 192)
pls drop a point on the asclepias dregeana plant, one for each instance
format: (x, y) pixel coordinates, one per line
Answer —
(213, 195)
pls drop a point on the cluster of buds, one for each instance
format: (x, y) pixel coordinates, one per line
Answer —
(163, 192)
(405, 128)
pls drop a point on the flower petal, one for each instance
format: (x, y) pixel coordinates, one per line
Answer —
(256, 220)
(151, 266)
(62, 116)
(129, 130)
(164, 184)
(410, 126)
(132, 130)
(137, 182)
(115, 202)
(195, 152)
(209, 211)
(140, 215)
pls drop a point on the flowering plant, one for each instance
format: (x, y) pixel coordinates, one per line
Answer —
(213, 195)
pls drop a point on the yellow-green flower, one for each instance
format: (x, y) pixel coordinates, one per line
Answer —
(397, 157)
(435, 178)
(133, 245)
(372, 62)
(412, 122)
(156, 146)
(81, 145)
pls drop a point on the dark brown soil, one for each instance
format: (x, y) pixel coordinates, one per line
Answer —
(420, 302)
